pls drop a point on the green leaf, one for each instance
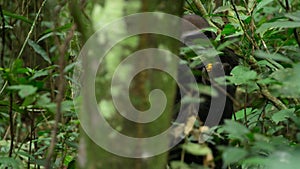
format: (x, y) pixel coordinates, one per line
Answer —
(69, 67)
(242, 75)
(261, 4)
(282, 115)
(235, 129)
(233, 155)
(290, 81)
(196, 149)
(179, 165)
(284, 159)
(241, 113)
(15, 16)
(24, 90)
(47, 35)
(10, 162)
(43, 100)
(28, 100)
(274, 56)
(61, 28)
(294, 16)
(228, 29)
(39, 74)
(67, 105)
(278, 24)
(38, 49)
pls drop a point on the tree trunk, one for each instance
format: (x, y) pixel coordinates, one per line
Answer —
(93, 156)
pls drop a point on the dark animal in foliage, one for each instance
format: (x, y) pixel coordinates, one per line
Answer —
(227, 61)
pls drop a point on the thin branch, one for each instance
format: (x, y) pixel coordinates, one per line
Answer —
(60, 94)
(204, 14)
(3, 37)
(242, 25)
(275, 101)
(264, 89)
(11, 121)
(31, 28)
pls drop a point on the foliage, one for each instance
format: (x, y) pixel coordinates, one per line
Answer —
(264, 132)
(29, 87)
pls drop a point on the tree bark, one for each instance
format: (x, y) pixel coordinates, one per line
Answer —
(91, 155)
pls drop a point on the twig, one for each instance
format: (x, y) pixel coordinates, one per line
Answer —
(31, 28)
(204, 14)
(60, 95)
(11, 124)
(264, 89)
(287, 9)
(3, 37)
(276, 102)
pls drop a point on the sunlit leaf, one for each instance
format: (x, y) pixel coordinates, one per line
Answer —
(196, 149)
(282, 115)
(179, 165)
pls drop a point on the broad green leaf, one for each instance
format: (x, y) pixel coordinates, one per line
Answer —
(242, 75)
(196, 149)
(235, 129)
(233, 155)
(67, 105)
(278, 24)
(282, 115)
(38, 49)
(241, 113)
(179, 165)
(43, 100)
(284, 159)
(274, 56)
(228, 29)
(290, 81)
(24, 90)
(28, 100)
(10, 162)
(255, 161)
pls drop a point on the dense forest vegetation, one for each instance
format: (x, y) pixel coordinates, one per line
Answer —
(48, 49)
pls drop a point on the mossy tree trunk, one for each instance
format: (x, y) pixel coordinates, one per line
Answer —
(93, 156)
